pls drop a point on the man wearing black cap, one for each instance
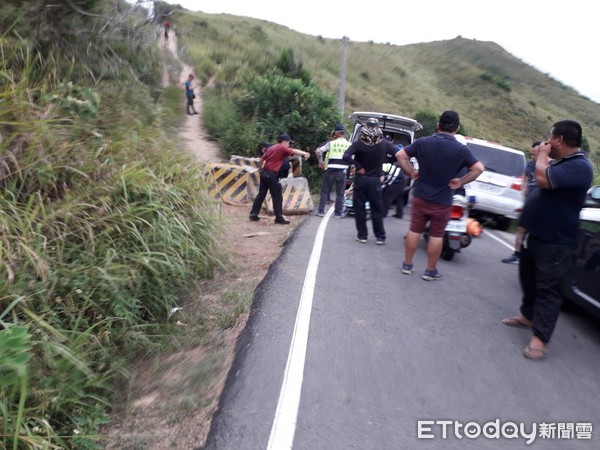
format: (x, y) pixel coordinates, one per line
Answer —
(441, 157)
(334, 170)
(270, 164)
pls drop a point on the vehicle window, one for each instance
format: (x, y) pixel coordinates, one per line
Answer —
(402, 139)
(498, 161)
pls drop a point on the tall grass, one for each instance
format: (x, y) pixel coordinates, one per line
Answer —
(104, 223)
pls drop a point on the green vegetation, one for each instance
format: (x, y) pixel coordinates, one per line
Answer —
(499, 97)
(103, 223)
(500, 82)
(105, 226)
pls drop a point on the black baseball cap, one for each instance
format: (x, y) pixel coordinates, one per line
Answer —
(284, 137)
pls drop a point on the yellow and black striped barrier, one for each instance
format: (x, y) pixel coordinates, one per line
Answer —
(238, 185)
(253, 182)
(296, 166)
(244, 161)
(295, 163)
(296, 197)
(228, 182)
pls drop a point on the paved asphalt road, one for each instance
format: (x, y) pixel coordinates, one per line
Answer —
(386, 350)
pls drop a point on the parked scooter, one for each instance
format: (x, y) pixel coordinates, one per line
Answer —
(456, 236)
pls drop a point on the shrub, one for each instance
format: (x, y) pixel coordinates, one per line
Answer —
(277, 104)
(504, 84)
(500, 82)
(429, 121)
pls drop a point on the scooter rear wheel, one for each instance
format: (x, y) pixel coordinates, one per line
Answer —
(447, 254)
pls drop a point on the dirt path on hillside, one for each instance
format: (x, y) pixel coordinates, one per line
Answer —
(161, 410)
(192, 132)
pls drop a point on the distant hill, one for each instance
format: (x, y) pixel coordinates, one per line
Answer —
(499, 97)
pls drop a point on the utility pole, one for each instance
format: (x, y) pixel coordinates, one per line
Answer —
(342, 93)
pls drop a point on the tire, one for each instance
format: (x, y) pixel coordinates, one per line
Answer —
(405, 197)
(503, 223)
(447, 254)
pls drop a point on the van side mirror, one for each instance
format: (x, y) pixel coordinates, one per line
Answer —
(592, 197)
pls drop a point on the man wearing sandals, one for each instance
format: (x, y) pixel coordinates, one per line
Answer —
(551, 220)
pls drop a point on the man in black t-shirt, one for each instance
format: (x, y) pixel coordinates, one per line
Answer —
(368, 154)
(550, 218)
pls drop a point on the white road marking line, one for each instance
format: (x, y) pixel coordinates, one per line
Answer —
(490, 234)
(284, 423)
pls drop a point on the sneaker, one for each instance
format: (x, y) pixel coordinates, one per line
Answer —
(380, 241)
(253, 218)
(339, 215)
(407, 269)
(431, 275)
(362, 240)
(320, 214)
(512, 259)
(282, 221)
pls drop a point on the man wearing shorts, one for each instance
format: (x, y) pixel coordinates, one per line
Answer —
(441, 157)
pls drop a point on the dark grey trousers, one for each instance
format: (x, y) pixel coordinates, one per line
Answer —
(270, 183)
(541, 268)
(368, 189)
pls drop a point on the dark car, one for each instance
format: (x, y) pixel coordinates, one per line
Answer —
(582, 284)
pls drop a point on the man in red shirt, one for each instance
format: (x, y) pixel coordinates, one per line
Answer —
(270, 163)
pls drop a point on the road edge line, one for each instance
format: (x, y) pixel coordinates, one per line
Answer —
(284, 422)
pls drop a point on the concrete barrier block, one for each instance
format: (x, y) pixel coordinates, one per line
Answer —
(228, 182)
(296, 197)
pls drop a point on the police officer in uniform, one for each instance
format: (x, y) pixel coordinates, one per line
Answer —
(335, 170)
(393, 186)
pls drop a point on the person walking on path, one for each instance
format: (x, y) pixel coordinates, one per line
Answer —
(189, 93)
(270, 164)
(550, 218)
(441, 157)
(368, 154)
(334, 170)
(529, 186)
(167, 28)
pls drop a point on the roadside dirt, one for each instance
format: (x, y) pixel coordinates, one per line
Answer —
(162, 410)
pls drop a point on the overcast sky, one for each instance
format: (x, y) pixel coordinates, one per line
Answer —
(556, 37)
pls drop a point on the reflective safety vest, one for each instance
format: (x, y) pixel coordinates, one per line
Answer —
(333, 158)
(392, 173)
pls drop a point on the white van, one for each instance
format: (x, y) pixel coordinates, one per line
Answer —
(498, 190)
(400, 130)
(397, 129)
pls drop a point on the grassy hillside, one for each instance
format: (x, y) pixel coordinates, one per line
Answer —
(499, 97)
(104, 224)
